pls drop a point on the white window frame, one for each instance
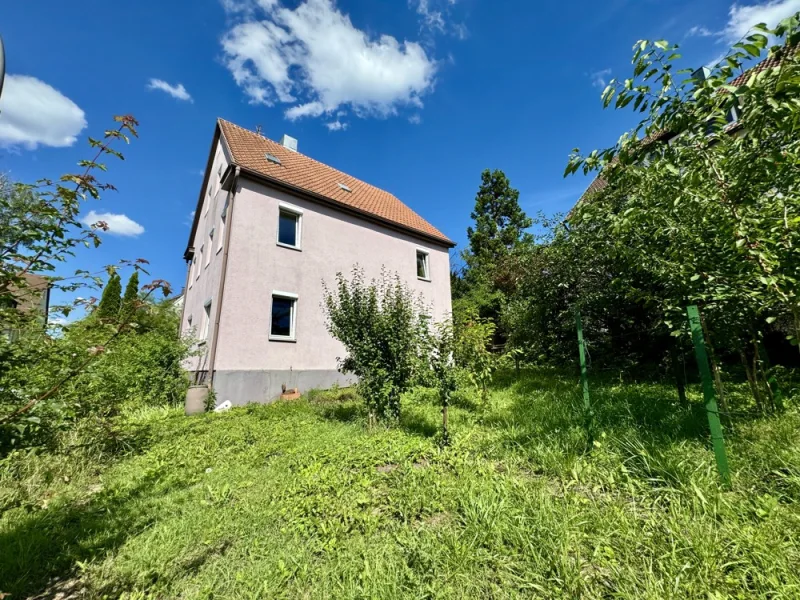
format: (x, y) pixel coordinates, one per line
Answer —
(192, 268)
(223, 219)
(298, 233)
(210, 247)
(189, 323)
(292, 337)
(207, 305)
(427, 256)
(208, 199)
(199, 268)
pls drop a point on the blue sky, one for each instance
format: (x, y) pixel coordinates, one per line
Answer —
(414, 96)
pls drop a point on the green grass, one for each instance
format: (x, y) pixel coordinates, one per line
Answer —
(301, 500)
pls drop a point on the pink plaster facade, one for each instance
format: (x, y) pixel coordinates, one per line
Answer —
(204, 273)
(249, 365)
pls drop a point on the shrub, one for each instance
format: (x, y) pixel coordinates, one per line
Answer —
(383, 328)
(141, 366)
(472, 338)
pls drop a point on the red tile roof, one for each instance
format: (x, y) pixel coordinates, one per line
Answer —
(301, 172)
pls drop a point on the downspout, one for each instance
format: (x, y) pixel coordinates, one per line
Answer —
(218, 312)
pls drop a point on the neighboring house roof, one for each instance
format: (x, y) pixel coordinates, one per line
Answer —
(248, 150)
(771, 61)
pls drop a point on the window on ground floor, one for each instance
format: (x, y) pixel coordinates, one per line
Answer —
(283, 316)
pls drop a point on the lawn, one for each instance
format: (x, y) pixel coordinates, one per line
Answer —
(300, 499)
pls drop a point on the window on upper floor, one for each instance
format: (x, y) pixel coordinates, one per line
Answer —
(282, 316)
(289, 226)
(189, 323)
(206, 320)
(423, 266)
(192, 269)
(199, 262)
(222, 222)
(210, 246)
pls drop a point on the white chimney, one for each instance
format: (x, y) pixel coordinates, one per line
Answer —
(289, 143)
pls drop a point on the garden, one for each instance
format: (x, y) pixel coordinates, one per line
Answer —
(612, 410)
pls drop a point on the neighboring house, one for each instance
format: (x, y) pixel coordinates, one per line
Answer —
(270, 226)
(771, 62)
(31, 299)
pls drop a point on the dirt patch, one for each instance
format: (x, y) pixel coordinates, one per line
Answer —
(438, 519)
(421, 464)
(60, 589)
(388, 468)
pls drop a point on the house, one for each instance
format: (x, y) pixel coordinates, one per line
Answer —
(271, 226)
(32, 299)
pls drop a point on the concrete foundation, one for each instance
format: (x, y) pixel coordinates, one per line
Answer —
(244, 387)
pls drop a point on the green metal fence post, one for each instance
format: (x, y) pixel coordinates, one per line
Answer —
(587, 404)
(708, 393)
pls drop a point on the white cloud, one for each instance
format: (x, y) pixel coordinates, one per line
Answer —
(432, 19)
(176, 91)
(699, 31)
(741, 19)
(33, 113)
(336, 125)
(415, 119)
(314, 57)
(116, 224)
(600, 78)
(436, 16)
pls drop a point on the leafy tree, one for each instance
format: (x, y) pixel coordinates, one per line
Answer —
(110, 301)
(472, 339)
(40, 225)
(500, 222)
(39, 230)
(383, 328)
(442, 351)
(709, 218)
(131, 298)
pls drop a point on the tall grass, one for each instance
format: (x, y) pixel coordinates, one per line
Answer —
(302, 500)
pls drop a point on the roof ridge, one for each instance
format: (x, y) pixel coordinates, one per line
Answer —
(311, 175)
(311, 158)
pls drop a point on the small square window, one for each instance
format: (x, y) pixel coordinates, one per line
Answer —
(289, 228)
(282, 317)
(423, 270)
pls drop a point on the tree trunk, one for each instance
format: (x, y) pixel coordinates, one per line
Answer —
(712, 356)
(761, 364)
(445, 432)
(680, 381)
(751, 380)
